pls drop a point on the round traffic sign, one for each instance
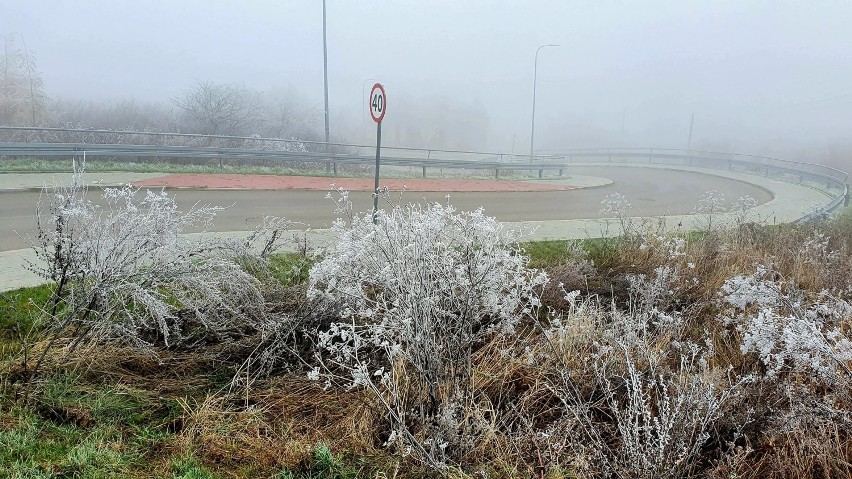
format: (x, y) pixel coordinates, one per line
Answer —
(378, 102)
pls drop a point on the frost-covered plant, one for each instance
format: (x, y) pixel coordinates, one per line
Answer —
(659, 393)
(668, 246)
(741, 208)
(663, 416)
(647, 293)
(421, 291)
(122, 271)
(708, 208)
(744, 290)
(815, 250)
(788, 332)
(616, 205)
(744, 222)
(268, 237)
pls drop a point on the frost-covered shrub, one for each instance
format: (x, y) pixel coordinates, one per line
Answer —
(122, 271)
(421, 291)
(616, 205)
(663, 416)
(744, 290)
(650, 292)
(571, 275)
(741, 209)
(788, 331)
(659, 394)
(708, 208)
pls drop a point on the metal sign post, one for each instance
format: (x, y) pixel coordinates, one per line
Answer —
(378, 105)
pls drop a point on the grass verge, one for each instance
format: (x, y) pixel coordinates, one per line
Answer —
(108, 412)
(37, 165)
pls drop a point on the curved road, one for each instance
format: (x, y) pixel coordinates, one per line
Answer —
(650, 191)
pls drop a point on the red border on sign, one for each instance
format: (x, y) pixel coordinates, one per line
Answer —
(384, 100)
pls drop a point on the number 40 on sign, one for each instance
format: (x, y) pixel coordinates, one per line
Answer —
(378, 102)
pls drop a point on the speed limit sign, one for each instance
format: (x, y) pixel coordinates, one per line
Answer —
(378, 102)
(378, 106)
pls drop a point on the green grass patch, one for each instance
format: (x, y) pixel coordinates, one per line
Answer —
(546, 253)
(327, 465)
(550, 253)
(188, 467)
(65, 166)
(67, 397)
(290, 269)
(41, 165)
(36, 447)
(73, 427)
(21, 309)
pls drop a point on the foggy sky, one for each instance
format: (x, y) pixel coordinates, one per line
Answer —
(760, 76)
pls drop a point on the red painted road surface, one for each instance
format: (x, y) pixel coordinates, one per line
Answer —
(272, 182)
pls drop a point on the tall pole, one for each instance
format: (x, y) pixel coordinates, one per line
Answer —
(325, 81)
(376, 183)
(691, 122)
(535, 80)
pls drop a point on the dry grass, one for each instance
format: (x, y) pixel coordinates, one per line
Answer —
(819, 449)
(263, 426)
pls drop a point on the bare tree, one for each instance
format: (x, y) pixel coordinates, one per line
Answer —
(284, 115)
(22, 98)
(218, 109)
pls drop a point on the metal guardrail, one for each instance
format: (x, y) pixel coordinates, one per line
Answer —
(833, 179)
(65, 142)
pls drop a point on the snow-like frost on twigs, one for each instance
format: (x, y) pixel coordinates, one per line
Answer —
(662, 411)
(788, 332)
(122, 271)
(743, 290)
(425, 261)
(419, 291)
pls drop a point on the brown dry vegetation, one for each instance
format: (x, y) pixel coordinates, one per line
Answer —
(234, 423)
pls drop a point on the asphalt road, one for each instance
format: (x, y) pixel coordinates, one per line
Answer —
(650, 191)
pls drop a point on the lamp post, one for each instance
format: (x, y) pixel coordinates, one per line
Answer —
(325, 71)
(535, 78)
(325, 85)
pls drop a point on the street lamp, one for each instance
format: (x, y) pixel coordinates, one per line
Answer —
(535, 77)
(325, 73)
(328, 166)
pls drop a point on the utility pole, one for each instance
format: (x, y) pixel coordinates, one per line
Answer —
(691, 122)
(535, 79)
(325, 81)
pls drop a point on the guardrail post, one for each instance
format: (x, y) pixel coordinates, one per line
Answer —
(497, 173)
(424, 171)
(334, 166)
(541, 173)
(560, 171)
